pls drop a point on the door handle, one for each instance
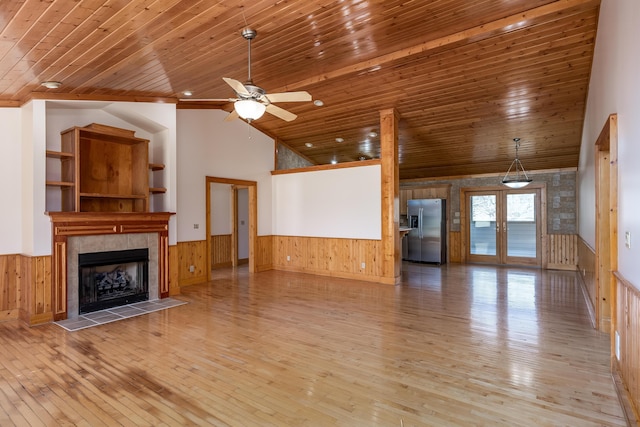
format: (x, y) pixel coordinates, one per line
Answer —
(504, 226)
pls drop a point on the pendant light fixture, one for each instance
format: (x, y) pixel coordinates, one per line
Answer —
(518, 177)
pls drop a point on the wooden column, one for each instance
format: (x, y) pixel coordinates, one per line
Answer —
(391, 256)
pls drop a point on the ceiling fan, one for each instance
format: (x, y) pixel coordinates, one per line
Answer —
(252, 101)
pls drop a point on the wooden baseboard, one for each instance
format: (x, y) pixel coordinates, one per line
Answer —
(623, 394)
(562, 267)
(341, 275)
(193, 280)
(222, 265)
(264, 267)
(9, 315)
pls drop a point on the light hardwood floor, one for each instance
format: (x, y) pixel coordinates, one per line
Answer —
(452, 345)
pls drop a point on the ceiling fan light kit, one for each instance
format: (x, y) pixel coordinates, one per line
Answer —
(519, 177)
(249, 109)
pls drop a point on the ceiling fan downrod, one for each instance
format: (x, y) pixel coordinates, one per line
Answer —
(249, 34)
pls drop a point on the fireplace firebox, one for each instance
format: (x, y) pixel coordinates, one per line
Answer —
(111, 279)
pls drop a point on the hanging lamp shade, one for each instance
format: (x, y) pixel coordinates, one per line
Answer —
(516, 176)
(249, 109)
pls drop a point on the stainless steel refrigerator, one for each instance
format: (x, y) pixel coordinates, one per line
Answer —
(427, 237)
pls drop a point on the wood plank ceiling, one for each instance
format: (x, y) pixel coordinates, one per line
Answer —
(465, 77)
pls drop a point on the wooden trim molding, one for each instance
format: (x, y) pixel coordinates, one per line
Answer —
(327, 167)
(69, 224)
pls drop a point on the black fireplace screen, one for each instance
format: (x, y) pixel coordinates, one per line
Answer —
(110, 279)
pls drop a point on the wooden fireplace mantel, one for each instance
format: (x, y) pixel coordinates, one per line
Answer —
(68, 224)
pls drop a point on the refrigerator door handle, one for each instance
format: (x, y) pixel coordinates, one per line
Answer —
(420, 222)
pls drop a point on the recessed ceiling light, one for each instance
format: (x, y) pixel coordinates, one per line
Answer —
(338, 139)
(308, 145)
(187, 93)
(373, 134)
(318, 103)
(51, 84)
(334, 161)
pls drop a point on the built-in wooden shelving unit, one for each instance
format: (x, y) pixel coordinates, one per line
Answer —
(104, 169)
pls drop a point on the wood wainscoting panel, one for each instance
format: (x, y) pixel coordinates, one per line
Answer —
(194, 254)
(264, 253)
(37, 290)
(587, 271)
(9, 286)
(627, 325)
(221, 250)
(562, 251)
(174, 281)
(455, 251)
(328, 256)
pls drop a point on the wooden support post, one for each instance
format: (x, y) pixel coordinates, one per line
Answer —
(391, 255)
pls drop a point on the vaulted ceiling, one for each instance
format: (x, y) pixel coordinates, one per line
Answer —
(466, 77)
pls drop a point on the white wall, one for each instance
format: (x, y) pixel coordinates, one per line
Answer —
(615, 88)
(11, 181)
(209, 146)
(330, 203)
(221, 209)
(36, 226)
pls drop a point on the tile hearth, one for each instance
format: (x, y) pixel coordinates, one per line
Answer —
(117, 313)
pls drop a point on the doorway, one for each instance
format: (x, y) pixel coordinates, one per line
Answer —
(250, 218)
(503, 226)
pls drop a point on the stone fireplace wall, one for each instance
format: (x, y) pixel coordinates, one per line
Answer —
(109, 242)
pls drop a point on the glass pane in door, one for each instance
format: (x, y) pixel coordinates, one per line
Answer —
(482, 231)
(521, 225)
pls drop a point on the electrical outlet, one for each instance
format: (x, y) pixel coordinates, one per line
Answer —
(363, 265)
(627, 239)
(192, 268)
(196, 226)
(288, 258)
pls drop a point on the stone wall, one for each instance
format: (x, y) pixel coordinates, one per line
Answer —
(287, 159)
(561, 197)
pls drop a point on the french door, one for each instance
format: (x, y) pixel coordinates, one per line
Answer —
(503, 227)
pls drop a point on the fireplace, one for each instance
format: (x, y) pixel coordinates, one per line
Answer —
(114, 278)
(75, 233)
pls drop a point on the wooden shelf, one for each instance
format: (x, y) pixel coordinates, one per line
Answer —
(60, 184)
(59, 155)
(103, 169)
(112, 196)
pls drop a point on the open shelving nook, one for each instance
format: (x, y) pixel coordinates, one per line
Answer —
(104, 169)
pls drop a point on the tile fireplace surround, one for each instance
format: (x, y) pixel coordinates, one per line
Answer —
(80, 232)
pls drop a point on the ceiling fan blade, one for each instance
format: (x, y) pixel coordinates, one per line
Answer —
(280, 113)
(232, 116)
(289, 96)
(208, 99)
(236, 85)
